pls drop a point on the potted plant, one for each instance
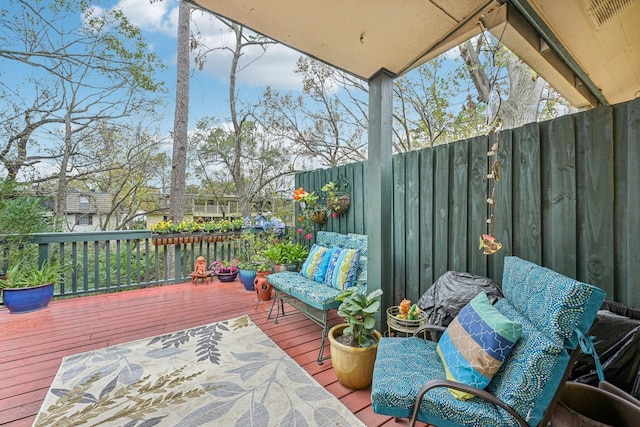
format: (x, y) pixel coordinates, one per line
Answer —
(246, 249)
(338, 200)
(286, 256)
(261, 283)
(309, 204)
(354, 344)
(29, 287)
(227, 271)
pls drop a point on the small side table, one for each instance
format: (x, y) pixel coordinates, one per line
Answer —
(402, 326)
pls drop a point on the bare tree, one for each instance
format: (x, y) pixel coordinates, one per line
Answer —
(328, 121)
(97, 72)
(239, 158)
(129, 174)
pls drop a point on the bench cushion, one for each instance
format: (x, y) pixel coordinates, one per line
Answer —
(317, 295)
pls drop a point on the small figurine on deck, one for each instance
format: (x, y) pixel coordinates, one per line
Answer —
(200, 270)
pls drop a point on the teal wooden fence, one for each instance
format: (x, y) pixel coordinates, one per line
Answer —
(568, 198)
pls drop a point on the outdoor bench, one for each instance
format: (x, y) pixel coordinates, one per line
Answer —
(314, 299)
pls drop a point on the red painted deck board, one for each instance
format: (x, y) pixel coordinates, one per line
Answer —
(32, 345)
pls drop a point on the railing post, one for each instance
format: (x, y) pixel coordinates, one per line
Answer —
(178, 263)
(43, 253)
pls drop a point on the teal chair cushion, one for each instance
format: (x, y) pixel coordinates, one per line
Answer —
(554, 311)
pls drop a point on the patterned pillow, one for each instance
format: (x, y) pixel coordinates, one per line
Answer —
(342, 268)
(476, 343)
(315, 266)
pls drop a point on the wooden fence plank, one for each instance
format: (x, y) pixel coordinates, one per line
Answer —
(399, 227)
(627, 203)
(441, 196)
(595, 198)
(427, 246)
(527, 205)
(478, 208)
(559, 197)
(458, 206)
(412, 215)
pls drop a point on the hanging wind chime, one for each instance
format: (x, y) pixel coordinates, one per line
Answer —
(488, 243)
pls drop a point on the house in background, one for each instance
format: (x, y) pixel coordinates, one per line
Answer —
(86, 211)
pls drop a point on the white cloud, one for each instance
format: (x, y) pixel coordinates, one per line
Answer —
(257, 68)
(157, 17)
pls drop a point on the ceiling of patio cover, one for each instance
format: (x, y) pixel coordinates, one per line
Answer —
(599, 39)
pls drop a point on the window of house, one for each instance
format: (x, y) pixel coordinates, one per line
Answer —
(84, 220)
(83, 201)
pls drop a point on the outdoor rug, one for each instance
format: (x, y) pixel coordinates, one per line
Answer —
(223, 374)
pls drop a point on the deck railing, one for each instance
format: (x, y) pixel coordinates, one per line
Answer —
(113, 260)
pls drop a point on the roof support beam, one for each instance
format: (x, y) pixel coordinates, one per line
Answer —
(379, 187)
(581, 78)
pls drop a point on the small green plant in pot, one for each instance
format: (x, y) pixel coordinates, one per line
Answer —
(359, 310)
(354, 345)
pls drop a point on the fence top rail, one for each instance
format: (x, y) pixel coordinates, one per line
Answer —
(90, 236)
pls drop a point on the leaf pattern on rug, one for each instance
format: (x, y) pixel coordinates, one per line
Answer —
(226, 373)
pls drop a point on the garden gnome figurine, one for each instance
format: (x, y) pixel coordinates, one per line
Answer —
(199, 269)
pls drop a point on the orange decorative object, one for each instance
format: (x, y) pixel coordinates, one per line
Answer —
(262, 286)
(405, 305)
(200, 271)
(489, 244)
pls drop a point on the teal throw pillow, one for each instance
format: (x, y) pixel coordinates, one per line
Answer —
(316, 263)
(342, 268)
(476, 344)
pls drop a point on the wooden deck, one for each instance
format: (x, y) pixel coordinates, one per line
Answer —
(33, 344)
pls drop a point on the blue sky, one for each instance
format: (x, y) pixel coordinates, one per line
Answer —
(208, 87)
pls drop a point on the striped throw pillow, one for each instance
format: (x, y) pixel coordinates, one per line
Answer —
(315, 266)
(476, 344)
(342, 269)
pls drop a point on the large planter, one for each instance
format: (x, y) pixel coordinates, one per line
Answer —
(277, 268)
(353, 365)
(227, 277)
(24, 300)
(247, 277)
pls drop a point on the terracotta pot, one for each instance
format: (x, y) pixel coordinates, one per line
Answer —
(353, 365)
(262, 286)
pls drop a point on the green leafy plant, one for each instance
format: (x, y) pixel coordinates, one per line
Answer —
(286, 253)
(28, 274)
(359, 310)
(296, 253)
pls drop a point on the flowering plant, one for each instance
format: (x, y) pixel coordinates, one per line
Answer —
(300, 195)
(225, 267)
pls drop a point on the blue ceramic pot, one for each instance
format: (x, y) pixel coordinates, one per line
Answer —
(24, 300)
(247, 277)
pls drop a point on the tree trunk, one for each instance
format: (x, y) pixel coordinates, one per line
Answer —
(525, 87)
(180, 126)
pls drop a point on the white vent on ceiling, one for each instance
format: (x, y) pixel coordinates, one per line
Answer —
(602, 11)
